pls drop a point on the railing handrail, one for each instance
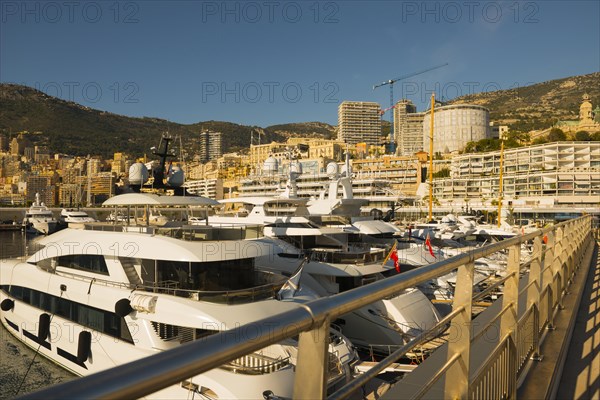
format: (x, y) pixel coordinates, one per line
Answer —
(147, 375)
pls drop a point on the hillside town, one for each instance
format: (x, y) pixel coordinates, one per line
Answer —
(559, 167)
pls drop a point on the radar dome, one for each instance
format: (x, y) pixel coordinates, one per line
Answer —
(271, 165)
(138, 174)
(332, 169)
(175, 177)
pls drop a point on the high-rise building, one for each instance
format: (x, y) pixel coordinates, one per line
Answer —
(101, 186)
(120, 165)
(408, 125)
(210, 146)
(42, 185)
(18, 144)
(93, 166)
(359, 122)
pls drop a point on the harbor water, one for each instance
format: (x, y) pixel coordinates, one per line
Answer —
(16, 359)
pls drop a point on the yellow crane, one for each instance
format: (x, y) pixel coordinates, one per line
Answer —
(391, 83)
(431, 159)
(500, 183)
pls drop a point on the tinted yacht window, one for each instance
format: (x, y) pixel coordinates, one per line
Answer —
(85, 262)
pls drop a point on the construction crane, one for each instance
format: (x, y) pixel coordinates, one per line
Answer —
(391, 83)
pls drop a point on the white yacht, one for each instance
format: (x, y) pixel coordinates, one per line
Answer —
(39, 218)
(337, 260)
(74, 218)
(109, 294)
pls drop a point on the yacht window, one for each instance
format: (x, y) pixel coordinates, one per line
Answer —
(64, 308)
(347, 283)
(100, 320)
(92, 318)
(85, 262)
(204, 276)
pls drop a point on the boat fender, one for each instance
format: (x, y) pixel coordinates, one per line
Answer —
(123, 308)
(84, 346)
(44, 327)
(7, 304)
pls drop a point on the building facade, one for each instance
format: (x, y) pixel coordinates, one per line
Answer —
(210, 146)
(359, 122)
(553, 174)
(211, 188)
(454, 126)
(408, 126)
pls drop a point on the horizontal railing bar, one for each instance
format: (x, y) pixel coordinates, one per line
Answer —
(349, 388)
(529, 284)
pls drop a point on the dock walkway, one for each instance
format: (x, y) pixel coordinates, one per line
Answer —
(581, 373)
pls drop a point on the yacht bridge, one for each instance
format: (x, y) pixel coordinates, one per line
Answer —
(539, 339)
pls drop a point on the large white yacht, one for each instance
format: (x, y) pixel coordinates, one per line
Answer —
(39, 218)
(99, 297)
(74, 218)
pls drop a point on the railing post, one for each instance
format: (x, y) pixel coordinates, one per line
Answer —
(510, 299)
(534, 291)
(547, 261)
(312, 367)
(579, 240)
(557, 266)
(457, 377)
(570, 247)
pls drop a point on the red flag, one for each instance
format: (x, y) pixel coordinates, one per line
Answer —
(428, 244)
(394, 256)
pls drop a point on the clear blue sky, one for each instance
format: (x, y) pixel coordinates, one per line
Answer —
(269, 62)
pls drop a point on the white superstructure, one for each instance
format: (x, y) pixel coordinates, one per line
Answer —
(74, 218)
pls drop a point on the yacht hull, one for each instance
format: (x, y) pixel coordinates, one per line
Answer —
(62, 342)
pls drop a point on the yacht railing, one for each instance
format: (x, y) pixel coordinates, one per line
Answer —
(256, 364)
(336, 256)
(240, 296)
(187, 232)
(527, 306)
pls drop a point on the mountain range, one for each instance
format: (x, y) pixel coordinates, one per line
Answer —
(71, 128)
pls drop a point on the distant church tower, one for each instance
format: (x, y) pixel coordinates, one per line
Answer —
(586, 117)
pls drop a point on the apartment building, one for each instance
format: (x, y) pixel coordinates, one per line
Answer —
(552, 174)
(359, 122)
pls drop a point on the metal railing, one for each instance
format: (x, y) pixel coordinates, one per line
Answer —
(516, 316)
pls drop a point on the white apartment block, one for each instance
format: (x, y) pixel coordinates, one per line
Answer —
(359, 122)
(553, 174)
(211, 188)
